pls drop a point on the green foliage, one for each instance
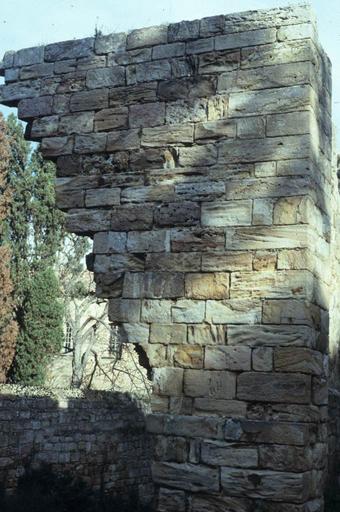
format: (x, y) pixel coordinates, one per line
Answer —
(41, 490)
(34, 231)
(41, 333)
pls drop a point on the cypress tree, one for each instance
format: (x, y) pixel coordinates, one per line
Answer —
(8, 325)
(35, 233)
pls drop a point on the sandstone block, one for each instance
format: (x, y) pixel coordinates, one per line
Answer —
(37, 107)
(251, 127)
(300, 31)
(91, 143)
(128, 218)
(200, 46)
(168, 334)
(196, 239)
(105, 77)
(134, 333)
(206, 334)
(298, 359)
(181, 262)
(219, 407)
(200, 191)
(156, 311)
(262, 359)
(278, 53)
(153, 285)
(293, 210)
(186, 356)
(110, 43)
(233, 311)
(186, 111)
(111, 119)
(212, 503)
(154, 241)
(227, 358)
(263, 212)
(215, 129)
(268, 432)
(150, 114)
(69, 49)
(198, 155)
(285, 458)
(36, 71)
(168, 381)
(29, 56)
(284, 284)
(185, 311)
(123, 140)
(130, 57)
(88, 221)
(247, 38)
(183, 31)
(226, 213)
(109, 242)
(171, 501)
(158, 193)
(12, 93)
(44, 127)
(218, 453)
(265, 484)
(207, 286)
(76, 123)
(278, 387)
(102, 197)
(219, 62)
(178, 214)
(211, 25)
(149, 36)
(212, 384)
(292, 123)
(164, 135)
(268, 237)
(291, 311)
(124, 310)
(133, 94)
(89, 100)
(56, 146)
(227, 261)
(167, 51)
(112, 263)
(155, 70)
(271, 335)
(190, 477)
(265, 169)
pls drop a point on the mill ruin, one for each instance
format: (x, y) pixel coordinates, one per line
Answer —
(200, 158)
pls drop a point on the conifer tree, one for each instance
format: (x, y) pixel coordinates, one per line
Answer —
(8, 325)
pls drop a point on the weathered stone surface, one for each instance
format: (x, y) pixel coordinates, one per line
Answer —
(168, 381)
(168, 334)
(102, 197)
(227, 261)
(149, 241)
(122, 140)
(186, 356)
(69, 49)
(190, 477)
(233, 311)
(76, 123)
(263, 212)
(124, 310)
(88, 100)
(285, 458)
(265, 484)
(174, 262)
(200, 46)
(292, 123)
(185, 311)
(146, 194)
(262, 359)
(149, 36)
(185, 30)
(105, 77)
(251, 127)
(149, 71)
(167, 51)
(213, 384)
(112, 263)
(226, 213)
(111, 119)
(180, 214)
(207, 286)
(219, 407)
(186, 111)
(228, 454)
(196, 239)
(44, 127)
(88, 221)
(38, 107)
(215, 129)
(55, 146)
(268, 237)
(196, 156)
(162, 136)
(36, 71)
(132, 94)
(90, 143)
(109, 242)
(271, 335)
(206, 334)
(151, 114)
(218, 503)
(291, 311)
(219, 62)
(12, 93)
(134, 333)
(300, 31)
(298, 360)
(247, 38)
(278, 53)
(196, 87)
(153, 285)
(171, 501)
(128, 218)
(269, 432)
(29, 56)
(279, 387)
(110, 43)
(227, 358)
(154, 311)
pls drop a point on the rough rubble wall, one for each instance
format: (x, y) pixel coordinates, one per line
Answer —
(198, 155)
(100, 438)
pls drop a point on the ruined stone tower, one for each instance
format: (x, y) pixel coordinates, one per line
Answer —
(199, 158)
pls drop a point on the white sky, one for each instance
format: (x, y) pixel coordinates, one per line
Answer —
(25, 23)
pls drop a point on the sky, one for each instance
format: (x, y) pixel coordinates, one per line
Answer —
(26, 23)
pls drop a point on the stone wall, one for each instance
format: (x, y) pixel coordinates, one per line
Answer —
(199, 158)
(99, 437)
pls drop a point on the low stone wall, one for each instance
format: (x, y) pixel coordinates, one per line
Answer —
(333, 483)
(100, 437)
